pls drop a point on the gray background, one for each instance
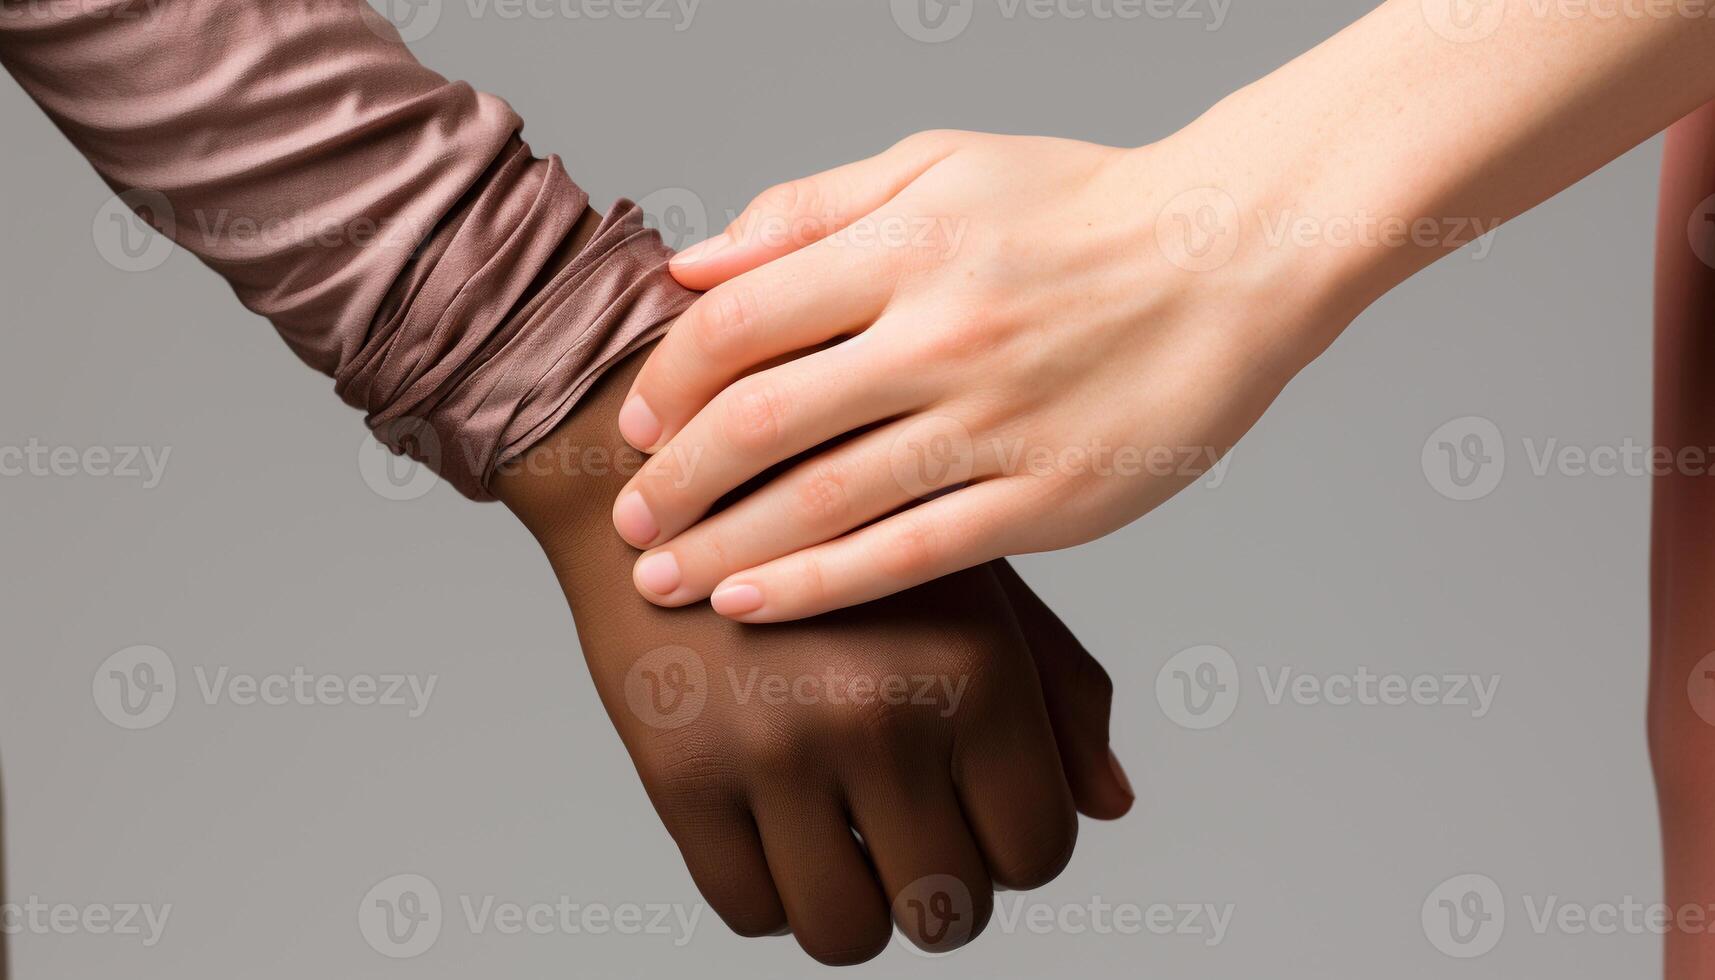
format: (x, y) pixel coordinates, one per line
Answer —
(1326, 548)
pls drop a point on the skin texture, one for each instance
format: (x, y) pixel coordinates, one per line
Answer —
(1682, 697)
(975, 781)
(1021, 310)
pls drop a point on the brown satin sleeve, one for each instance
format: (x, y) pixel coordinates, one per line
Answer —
(391, 224)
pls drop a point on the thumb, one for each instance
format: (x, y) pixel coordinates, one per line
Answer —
(1079, 697)
(798, 213)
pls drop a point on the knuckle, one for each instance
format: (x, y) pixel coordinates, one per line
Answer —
(1040, 851)
(809, 580)
(1043, 483)
(784, 212)
(690, 785)
(724, 320)
(754, 417)
(784, 197)
(894, 732)
(1094, 677)
(824, 495)
(990, 414)
(770, 747)
(959, 340)
(929, 140)
(715, 556)
(913, 549)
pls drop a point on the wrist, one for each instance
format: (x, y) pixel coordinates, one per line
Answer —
(1364, 160)
(1234, 225)
(1345, 207)
(563, 487)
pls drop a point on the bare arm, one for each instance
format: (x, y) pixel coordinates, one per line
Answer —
(1078, 318)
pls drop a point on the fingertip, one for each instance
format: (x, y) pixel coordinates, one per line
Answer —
(638, 424)
(633, 521)
(700, 252)
(1120, 777)
(657, 575)
(1105, 810)
(1107, 793)
(740, 601)
(701, 266)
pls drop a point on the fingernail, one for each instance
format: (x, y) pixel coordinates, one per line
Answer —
(701, 251)
(736, 600)
(1119, 774)
(659, 573)
(631, 518)
(638, 424)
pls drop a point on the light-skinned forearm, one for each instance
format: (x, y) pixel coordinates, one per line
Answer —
(1405, 117)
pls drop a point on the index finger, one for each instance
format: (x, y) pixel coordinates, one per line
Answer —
(787, 306)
